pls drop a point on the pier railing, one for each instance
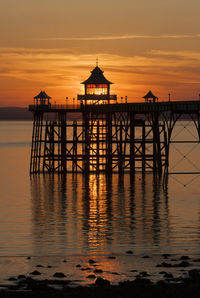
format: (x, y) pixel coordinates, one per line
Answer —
(138, 107)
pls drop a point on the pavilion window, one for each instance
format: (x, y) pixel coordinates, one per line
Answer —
(99, 89)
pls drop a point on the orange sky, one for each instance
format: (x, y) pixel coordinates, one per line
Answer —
(141, 45)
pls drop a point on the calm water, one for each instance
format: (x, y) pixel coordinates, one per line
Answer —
(50, 215)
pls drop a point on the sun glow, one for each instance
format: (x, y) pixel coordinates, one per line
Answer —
(24, 72)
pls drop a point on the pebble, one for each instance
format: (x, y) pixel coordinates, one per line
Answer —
(144, 274)
(129, 252)
(59, 274)
(85, 268)
(166, 255)
(168, 275)
(184, 258)
(182, 264)
(35, 272)
(168, 265)
(21, 276)
(12, 278)
(98, 271)
(91, 276)
(142, 281)
(91, 261)
(102, 282)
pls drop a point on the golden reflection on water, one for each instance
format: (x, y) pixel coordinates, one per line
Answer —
(98, 214)
(78, 215)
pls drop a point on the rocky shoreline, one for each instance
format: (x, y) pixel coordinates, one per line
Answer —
(140, 287)
(174, 276)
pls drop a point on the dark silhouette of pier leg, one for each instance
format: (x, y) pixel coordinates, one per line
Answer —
(36, 143)
(109, 143)
(132, 143)
(157, 163)
(62, 140)
(97, 146)
(143, 148)
(86, 143)
(74, 164)
(120, 146)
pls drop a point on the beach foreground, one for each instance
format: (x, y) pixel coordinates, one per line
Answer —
(101, 276)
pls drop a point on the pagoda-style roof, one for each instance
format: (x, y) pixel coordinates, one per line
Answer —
(150, 95)
(96, 78)
(42, 95)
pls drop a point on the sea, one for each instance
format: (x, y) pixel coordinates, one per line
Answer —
(51, 215)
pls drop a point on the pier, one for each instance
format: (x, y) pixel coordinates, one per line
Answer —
(101, 135)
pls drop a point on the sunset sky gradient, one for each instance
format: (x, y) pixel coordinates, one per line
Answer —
(52, 45)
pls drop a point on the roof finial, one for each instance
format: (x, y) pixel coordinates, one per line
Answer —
(97, 61)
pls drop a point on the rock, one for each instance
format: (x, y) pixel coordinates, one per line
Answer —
(162, 283)
(184, 258)
(35, 272)
(78, 266)
(182, 264)
(36, 284)
(64, 261)
(85, 268)
(91, 261)
(111, 257)
(129, 252)
(100, 282)
(194, 274)
(166, 256)
(145, 257)
(115, 273)
(196, 260)
(133, 270)
(92, 276)
(59, 274)
(21, 276)
(49, 266)
(144, 274)
(168, 275)
(98, 271)
(126, 283)
(180, 279)
(142, 281)
(39, 266)
(12, 278)
(28, 258)
(167, 265)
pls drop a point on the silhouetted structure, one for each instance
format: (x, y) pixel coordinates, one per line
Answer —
(97, 89)
(150, 96)
(109, 136)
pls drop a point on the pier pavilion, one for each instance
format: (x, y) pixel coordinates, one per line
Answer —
(101, 135)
